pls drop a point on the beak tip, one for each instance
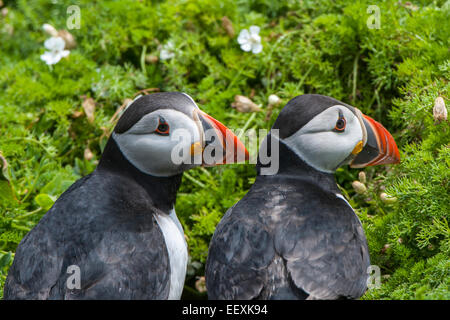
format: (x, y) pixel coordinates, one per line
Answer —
(383, 146)
(247, 155)
(234, 149)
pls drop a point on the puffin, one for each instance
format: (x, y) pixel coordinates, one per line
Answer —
(294, 236)
(114, 233)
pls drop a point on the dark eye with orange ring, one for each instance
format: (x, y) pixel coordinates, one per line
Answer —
(340, 124)
(163, 127)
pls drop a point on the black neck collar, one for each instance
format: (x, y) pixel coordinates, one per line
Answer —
(162, 190)
(291, 166)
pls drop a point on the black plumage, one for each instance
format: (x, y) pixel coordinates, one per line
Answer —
(104, 224)
(291, 236)
(301, 109)
(149, 103)
(117, 226)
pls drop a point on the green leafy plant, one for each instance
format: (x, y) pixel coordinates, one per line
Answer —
(393, 74)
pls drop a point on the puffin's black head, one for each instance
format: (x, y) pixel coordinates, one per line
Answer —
(327, 133)
(147, 104)
(165, 133)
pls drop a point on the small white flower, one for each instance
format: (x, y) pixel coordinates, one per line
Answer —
(167, 51)
(250, 40)
(55, 45)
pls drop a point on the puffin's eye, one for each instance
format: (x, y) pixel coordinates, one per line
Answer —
(340, 124)
(163, 127)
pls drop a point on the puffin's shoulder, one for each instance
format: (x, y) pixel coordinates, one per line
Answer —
(285, 195)
(105, 214)
(239, 253)
(103, 192)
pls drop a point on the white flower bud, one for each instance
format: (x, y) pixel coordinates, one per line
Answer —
(387, 198)
(151, 58)
(274, 100)
(359, 187)
(362, 176)
(68, 39)
(88, 155)
(385, 248)
(244, 104)
(49, 29)
(200, 284)
(439, 110)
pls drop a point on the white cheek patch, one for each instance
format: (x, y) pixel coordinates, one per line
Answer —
(150, 152)
(321, 147)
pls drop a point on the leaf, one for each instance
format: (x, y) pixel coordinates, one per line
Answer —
(5, 260)
(45, 201)
(6, 193)
(57, 185)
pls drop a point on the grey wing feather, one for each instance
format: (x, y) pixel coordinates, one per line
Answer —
(124, 271)
(26, 279)
(326, 256)
(239, 253)
(38, 260)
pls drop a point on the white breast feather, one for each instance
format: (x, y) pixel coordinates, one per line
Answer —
(177, 250)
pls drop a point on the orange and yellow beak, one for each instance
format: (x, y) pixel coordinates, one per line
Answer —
(380, 147)
(220, 144)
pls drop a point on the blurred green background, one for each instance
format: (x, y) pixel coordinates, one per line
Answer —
(55, 120)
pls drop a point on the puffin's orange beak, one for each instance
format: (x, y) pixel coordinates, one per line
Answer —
(380, 147)
(221, 145)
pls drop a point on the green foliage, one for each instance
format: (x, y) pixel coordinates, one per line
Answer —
(393, 74)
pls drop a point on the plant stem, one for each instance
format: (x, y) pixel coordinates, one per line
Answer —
(355, 76)
(31, 140)
(144, 51)
(269, 56)
(25, 215)
(247, 124)
(304, 78)
(205, 171)
(6, 252)
(192, 179)
(18, 227)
